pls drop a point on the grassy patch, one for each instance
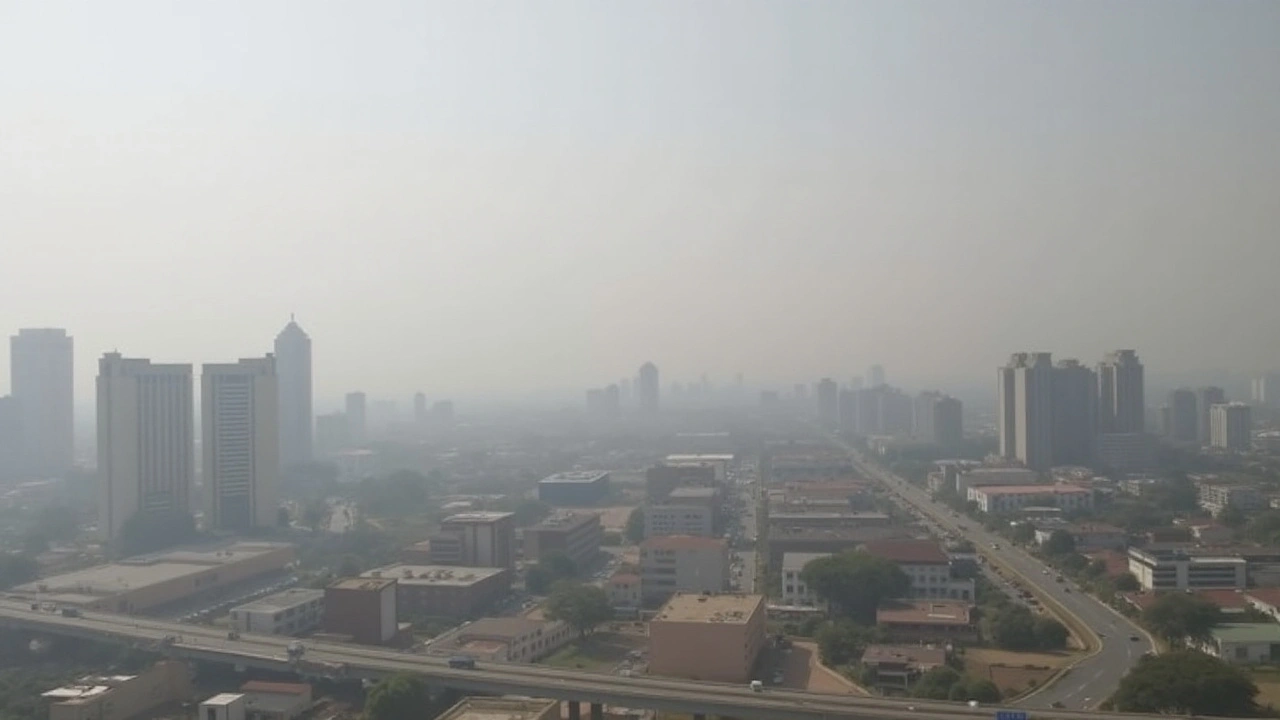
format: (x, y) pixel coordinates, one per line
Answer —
(601, 652)
(1013, 672)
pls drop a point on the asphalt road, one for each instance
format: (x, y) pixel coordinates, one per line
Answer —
(1093, 679)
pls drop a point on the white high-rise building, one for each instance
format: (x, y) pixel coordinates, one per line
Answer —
(146, 436)
(40, 379)
(1231, 426)
(239, 411)
(1024, 410)
(1121, 399)
(293, 369)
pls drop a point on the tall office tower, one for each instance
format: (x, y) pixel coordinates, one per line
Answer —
(420, 408)
(848, 410)
(936, 418)
(146, 439)
(357, 418)
(1182, 421)
(239, 405)
(883, 410)
(293, 369)
(1266, 390)
(828, 394)
(1025, 409)
(1206, 397)
(875, 376)
(624, 391)
(1075, 413)
(10, 438)
(1231, 426)
(647, 387)
(40, 378)
(1121, 403)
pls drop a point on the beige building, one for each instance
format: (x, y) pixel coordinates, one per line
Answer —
(707, 637)
(146, 439)
(490, 708)
(239, 411)
(475, 539)
(141, 583)
(445, 591)
(678, 519)
(683, 564)
(576, 534)
(504, 639)
(294, 611)
(41, 380)
(116, 697)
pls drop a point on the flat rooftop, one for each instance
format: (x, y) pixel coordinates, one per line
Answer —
(926, 612)
(574, 477)
(784, 517)
(478, 517)
(365, 582)
(1059, 489)
(795, 561)
(565, 521)
(692, 493)
(726, 608)
(475, 708)
(440, 575)
(87, 688)
(292, 597)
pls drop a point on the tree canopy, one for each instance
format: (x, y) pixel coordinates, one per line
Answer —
(399, 697)
(1014, 627)
(552, 568)
(401, 493)
(582, 606)
(842, 641)
(1186, 682)
(855, 583)
(635, 526)
(1178, 616)
(1059, 542)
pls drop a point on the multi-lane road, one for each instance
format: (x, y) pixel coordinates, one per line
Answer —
(1119, 643)
(685, 696)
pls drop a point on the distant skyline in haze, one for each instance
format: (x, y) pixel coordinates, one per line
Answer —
(480, 198)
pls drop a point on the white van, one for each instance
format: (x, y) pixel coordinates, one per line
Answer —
(757, 686)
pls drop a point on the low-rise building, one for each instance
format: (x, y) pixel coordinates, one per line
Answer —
(928, 567)
(895, 668)
(1125, 452)
(96, 697)
(1013, 498)
(294, 611)
(679, 520)
(820, 519)
(1088, 537)
(1175, 569)
(719, 462)
(785, 539)
(1216, 497)
(795, 593)
(498, 708)
(224, 706)
(1265, 600)
(661, 480)
(574, 489)
(707, 637)
(474, 539)
(576, 535)
(624, 591)
(275, 700)
(504, 639)
(682, 564)
(973, 477)
(1243, 643)
(445, 591)
(364, 609)
(928, 621)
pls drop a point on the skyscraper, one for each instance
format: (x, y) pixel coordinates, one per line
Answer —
(420, 408)
(1182, 416)
(1231, 426)
(1266, 390)
(357, 418)
(937, 418)
(146, 437)
(293, 370)
(1121, 402)
(828, 393)
(240, 423)
(1075, 413)
(875, 376)
(1206, 397)
(40, 376)
(647, 387)
(1025, 409)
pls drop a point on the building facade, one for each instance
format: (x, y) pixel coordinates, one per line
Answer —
(366, 609)
(292, 612)
(1231, 426)
(475, 539)
(795, 593)
(1206, 398)
(683, 563)
(574, 489)
(356, 410)
(1013, 498)
(442, 591)
(146, 440)
(1121, 398)
(1158, 570)
(926, 565)
(647, 387)
(577, 535)
(241, 431)
(293, 370)
(41, 379)
(714, 638)
(1024, 409)
(938, 418)
(1182, 421)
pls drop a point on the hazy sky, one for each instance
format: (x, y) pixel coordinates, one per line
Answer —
(502, 196)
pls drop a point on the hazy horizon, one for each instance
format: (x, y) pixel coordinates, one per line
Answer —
(499, 198)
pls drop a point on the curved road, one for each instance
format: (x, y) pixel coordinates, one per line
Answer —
(1092, 679)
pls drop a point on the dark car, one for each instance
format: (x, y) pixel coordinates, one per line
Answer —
(1134, 638)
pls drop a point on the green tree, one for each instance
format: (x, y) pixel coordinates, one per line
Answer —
(842, 641)
(59, 523)
(154, 530)
(983, 691)
(1186, 682)
(1060, 542)
(561, 566)
(537, 579)
(16, 569)
(1126, 582)
(855, 583)
(399, 697)
(1178, 616)
(1013, 627)
(936, 683)
(635, 526)
(1050, 634)
(582, 606)
(1024, 533)
(348, 566)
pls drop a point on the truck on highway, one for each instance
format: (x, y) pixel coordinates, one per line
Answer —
(71, 612)
(462, 662)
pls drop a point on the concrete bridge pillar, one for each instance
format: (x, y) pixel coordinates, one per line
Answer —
(597, 711)
(575, 711)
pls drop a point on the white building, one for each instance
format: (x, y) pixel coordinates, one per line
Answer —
(146, 439)
(1013, 498)
(1174, 570)
(794, 592)
(240, 423)
(1216, 497)
(683, 563)
(223, 706)
(984, 476)
(293, 366)
(291, 612)
(927, 565)
(1231, 426)
(1024, 411)
(662, 520)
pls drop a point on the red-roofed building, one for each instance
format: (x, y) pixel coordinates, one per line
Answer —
(1265, 599)
(1117, 562)
(924, 621)
(928, 566)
